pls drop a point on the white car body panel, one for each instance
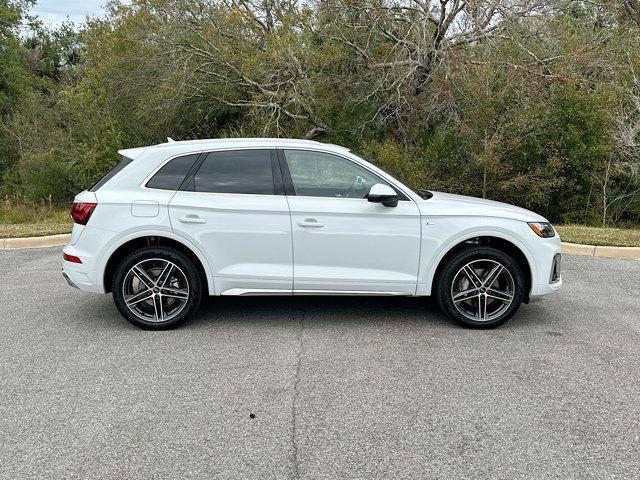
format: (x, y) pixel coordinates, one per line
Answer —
(356, 245)
(247, 238)
(262, 244)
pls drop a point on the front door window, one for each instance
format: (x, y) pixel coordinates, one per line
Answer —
(317, 174)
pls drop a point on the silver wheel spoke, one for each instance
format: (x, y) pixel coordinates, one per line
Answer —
(169, 295)
(175, 293)
(143, 276)
(492, 276)
(484, 315)
(139, 297)
(165, 274)
(482, 307)
(157, 308)
(499, 295)
(465, 295)
(473, 277)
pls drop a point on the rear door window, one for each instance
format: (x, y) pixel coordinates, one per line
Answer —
(236, 171)
(173, 173)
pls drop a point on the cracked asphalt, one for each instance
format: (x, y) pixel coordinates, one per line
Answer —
(340, 387)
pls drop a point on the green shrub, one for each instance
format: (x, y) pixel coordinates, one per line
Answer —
(47, 176)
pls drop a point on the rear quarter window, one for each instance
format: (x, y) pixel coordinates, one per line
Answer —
(111, 173)
(173, 173)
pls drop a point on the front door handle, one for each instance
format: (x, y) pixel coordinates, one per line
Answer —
(191, 219)
(310, 223)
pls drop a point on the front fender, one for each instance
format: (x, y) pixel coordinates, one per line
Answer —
(439, 242)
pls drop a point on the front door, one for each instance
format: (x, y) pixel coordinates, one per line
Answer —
(341, 241)
(234, 209)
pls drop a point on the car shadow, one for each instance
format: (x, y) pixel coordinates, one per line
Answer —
(318, 309)
(344, 310)
(324, 310)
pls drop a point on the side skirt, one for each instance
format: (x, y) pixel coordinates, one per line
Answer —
(241, 292)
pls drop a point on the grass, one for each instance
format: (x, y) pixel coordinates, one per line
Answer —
(617, 237)
(18, 220)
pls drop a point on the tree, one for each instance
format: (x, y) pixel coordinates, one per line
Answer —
(533, 102)
(245, 55)
(14, 76)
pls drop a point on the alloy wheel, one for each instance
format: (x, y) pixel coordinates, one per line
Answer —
(155, 290)
(482, 290)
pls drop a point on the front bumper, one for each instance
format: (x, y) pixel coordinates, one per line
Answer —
(549, 275)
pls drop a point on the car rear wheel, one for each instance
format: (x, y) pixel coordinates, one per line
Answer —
(480, 287)
(157, 288)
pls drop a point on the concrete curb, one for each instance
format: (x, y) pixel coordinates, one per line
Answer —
(578, 249)
(632, 253)
(34, 242)
(629, 253)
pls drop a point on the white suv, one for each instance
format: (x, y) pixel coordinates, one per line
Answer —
(173, 222)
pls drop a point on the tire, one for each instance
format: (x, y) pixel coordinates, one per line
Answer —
(467, 294)
(157, 288)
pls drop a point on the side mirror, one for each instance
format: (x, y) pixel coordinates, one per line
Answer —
(384, 194)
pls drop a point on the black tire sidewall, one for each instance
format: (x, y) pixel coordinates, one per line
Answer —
(455, 263)
(182, 261)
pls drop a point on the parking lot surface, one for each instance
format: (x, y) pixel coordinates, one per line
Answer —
(338, 387)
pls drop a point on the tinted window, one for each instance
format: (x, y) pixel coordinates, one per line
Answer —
(119, 166)
(237, 171)
(171, 175)
(316, 174)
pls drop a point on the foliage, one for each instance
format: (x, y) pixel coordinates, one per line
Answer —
(533, 102)
(617, 237)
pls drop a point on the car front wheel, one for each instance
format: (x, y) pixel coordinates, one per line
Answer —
(480, 287)
(157, 288)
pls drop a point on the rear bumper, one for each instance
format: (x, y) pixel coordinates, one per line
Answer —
(80, 275)
(87, 244)
(69, 281)
(79, 278)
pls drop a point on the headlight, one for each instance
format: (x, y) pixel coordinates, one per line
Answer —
(543, 229)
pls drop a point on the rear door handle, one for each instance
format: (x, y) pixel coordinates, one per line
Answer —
(310, 223)
(191, 219)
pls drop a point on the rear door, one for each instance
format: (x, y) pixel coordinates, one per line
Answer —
(232, 206)
(341, 241)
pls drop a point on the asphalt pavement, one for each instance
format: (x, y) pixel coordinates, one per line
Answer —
(319, 387)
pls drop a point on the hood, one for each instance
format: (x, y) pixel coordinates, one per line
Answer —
(448, 204)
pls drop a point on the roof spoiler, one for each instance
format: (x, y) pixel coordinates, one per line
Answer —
(132, 153)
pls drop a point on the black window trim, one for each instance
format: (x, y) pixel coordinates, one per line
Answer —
(279, 187)
(286, 174)
(290, 191)
(276, 174)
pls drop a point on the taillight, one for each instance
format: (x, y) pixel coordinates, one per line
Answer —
(71, 258)
(81, 212)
